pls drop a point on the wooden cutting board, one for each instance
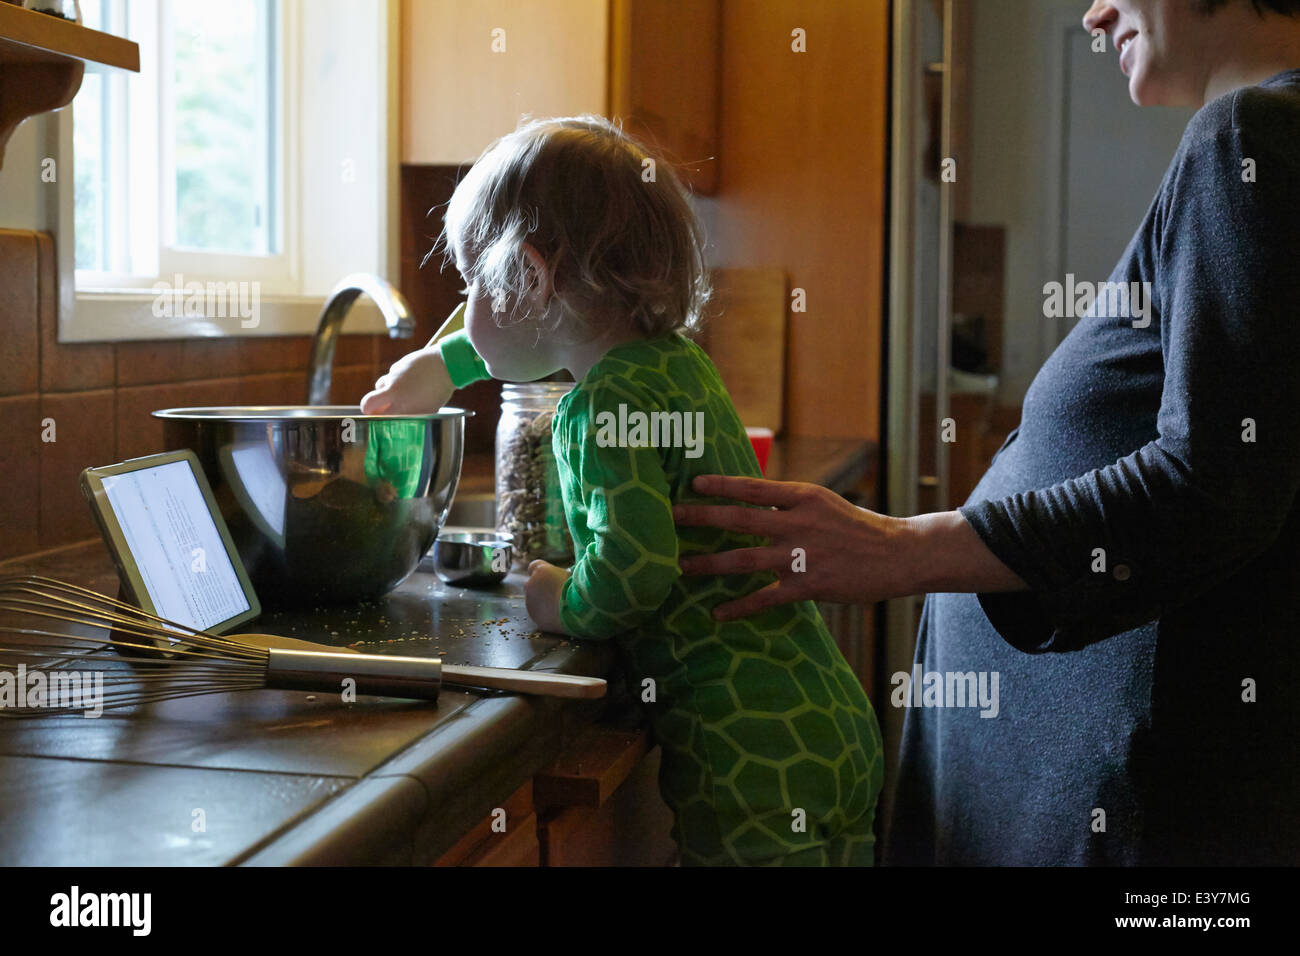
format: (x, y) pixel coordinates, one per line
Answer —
(744, 333)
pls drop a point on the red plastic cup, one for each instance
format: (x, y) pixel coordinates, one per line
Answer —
(761, 439)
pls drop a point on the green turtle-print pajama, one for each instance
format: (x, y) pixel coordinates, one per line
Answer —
(771, 751)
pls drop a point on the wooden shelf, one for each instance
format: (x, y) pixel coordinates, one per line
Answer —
(43, 59)
(30, 37)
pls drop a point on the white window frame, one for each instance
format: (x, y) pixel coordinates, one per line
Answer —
(350, 224)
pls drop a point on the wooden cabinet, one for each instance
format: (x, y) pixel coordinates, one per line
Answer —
(598, 804)
(665, 81)
(470, 71)
(505, 837)
(803, 164)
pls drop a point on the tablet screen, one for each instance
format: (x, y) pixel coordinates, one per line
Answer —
(176, 545)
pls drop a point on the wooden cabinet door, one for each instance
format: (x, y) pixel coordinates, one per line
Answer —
(665, 63)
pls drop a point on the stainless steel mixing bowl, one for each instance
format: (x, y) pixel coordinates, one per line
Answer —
(471, 557)
(325, 504)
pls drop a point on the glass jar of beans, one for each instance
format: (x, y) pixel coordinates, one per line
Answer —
(527, 479)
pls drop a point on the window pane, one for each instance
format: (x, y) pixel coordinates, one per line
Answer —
(88, 151)
(221, 122)
(90, 158)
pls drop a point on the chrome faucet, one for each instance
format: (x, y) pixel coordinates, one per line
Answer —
(397, 315)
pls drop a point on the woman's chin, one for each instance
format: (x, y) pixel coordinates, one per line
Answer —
(1141, 91)
(1144, 94)
(1147, 90)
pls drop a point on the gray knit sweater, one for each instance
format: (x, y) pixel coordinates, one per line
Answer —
(1149, 682)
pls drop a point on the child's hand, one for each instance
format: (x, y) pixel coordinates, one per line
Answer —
(417, 383)
(542, 595)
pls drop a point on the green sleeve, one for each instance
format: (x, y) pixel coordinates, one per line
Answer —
(464, 366)
(626, 548)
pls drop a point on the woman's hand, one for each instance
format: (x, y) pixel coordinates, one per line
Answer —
(417, 383)
(825, 549)
(542, 595)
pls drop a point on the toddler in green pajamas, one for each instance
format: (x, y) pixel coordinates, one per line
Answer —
(579, 254)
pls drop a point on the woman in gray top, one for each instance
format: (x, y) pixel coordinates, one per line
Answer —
(1129, 566)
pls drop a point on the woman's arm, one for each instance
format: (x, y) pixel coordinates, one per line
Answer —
(823, 548)
(1117, 547)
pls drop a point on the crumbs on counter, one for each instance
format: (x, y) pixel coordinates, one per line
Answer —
(418, 638)
(461, 633)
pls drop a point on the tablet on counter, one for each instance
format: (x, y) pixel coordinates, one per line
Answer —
(173, 551)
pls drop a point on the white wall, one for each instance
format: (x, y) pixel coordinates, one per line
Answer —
(23, 197)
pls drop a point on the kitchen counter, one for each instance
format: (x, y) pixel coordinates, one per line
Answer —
(286, 777)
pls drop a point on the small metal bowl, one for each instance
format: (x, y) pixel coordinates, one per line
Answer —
(472, 557)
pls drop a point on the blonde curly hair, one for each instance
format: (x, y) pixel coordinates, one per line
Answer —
(612, 223)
